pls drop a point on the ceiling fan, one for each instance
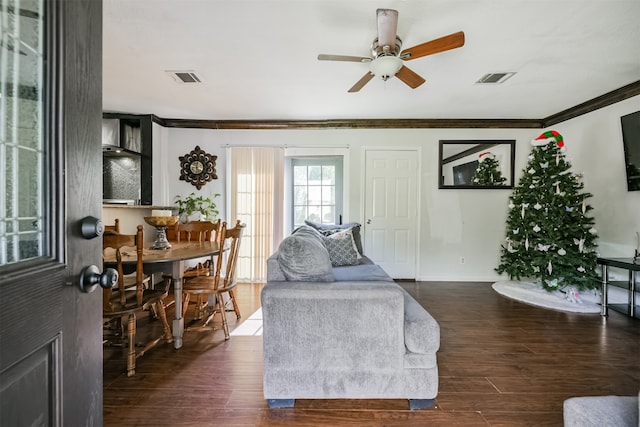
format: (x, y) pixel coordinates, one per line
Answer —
(387, 56)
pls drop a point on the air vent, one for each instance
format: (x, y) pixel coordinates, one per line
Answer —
(184, 76)
(495, 78)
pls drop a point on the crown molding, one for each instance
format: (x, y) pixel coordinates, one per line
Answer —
(605, 100)
(355, 124)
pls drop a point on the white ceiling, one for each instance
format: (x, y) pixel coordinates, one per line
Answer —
(258, 59)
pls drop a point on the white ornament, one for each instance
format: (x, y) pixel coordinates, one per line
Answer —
(516, 231)
(536, 228)
(543, 248)
(526, 243)
(581, 269)
(584, 206)
(510, 248)
(544, 165)
(593, 231)
(557, 159)
(511, 205)
(532, 171)
(530, 156)
(524, 206)
(557, 188)
(562, 252)
(537, 206)
(549, 268)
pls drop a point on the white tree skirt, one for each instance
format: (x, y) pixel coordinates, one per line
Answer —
(534, 294)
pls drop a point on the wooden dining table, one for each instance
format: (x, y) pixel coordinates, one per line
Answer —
(170, 261)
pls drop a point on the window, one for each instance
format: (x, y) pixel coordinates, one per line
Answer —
(23, 234)
(317, 190)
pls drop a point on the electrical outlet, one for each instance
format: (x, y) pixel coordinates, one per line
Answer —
(461, 260)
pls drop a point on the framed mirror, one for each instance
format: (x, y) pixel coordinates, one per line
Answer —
(476, 164)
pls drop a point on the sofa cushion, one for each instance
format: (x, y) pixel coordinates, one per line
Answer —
(303, 257)
(328, 229)
(274, 272)
(364, 271)
(342, 249)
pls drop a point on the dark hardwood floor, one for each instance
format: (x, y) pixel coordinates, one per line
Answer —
(501, 363)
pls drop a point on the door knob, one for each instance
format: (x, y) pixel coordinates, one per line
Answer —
(368, 221)
(91, 227)
(90, 278)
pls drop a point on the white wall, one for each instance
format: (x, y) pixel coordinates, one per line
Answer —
(455, 224)
(594, 143)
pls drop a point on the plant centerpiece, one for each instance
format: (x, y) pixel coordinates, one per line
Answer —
(194, 208)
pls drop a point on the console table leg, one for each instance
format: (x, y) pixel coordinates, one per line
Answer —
(604, 297)
(632, 293)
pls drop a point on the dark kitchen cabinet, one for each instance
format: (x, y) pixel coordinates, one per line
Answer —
(127, 158)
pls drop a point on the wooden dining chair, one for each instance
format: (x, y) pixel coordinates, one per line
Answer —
(123, 303)
(220, 282)
(196, 231)
(113, 229)
(199, 231)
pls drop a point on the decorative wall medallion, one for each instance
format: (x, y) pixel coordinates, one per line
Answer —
(198, 167)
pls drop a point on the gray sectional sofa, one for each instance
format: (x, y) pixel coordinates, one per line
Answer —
(335, 325)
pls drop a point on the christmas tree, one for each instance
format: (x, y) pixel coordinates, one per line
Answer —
(488, 171)
(550, 234)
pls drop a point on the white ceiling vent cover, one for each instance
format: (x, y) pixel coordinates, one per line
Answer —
(495, 78)
(186, 76)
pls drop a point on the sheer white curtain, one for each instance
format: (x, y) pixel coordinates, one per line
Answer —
(256, 189)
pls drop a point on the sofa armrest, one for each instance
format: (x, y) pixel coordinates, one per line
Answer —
(421, 330)
(333, 326)
(596, 411)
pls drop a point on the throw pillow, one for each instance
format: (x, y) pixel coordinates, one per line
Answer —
(328, 228)
(344, 234)
(342, 249)
(303, 257)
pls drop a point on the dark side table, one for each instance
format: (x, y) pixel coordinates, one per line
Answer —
(627, 264)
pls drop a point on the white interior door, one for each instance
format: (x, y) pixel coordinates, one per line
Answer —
(391, 210)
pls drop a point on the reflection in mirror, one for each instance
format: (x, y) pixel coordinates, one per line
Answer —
(481, 164)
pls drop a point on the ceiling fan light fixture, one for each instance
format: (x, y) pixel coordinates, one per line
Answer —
(386, 66)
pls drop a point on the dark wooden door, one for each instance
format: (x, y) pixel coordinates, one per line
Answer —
(50, 331)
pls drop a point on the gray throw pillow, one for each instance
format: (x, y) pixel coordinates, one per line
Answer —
(342, 249)
(303, 257)
(328, 229)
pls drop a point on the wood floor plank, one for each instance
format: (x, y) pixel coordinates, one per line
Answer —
(501, 363)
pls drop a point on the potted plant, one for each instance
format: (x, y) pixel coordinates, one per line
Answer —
(194, 208)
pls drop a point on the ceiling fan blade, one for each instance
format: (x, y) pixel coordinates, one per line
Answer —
(323, 57)
(442, 44)
(387, 27)
(360, 84)
(409, 77)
